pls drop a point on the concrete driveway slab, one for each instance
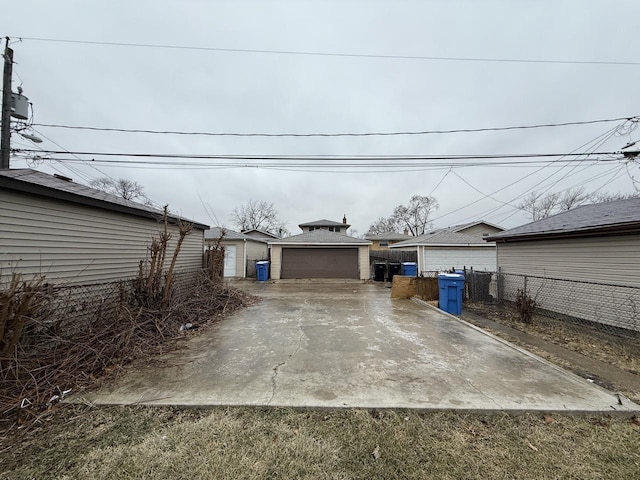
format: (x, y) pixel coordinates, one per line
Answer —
(350, 345)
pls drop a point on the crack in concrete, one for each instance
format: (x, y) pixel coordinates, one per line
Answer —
(482, 393)
(276, 369)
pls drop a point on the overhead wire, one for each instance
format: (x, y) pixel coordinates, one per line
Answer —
(332, 54)
(339, 134)
(491, 211)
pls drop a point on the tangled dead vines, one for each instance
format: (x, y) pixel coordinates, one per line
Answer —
(57, 352)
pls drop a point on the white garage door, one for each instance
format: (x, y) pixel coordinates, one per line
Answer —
(478, 258)
(230, 261)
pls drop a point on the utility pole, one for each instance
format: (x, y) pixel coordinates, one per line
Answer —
(5, 137)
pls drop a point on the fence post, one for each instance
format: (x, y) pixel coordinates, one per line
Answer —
(500, 286)
(525, 285)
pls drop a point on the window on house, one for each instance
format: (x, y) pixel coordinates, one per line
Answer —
(331, 229)
(337, 229)
(384, 243)
(311, 229)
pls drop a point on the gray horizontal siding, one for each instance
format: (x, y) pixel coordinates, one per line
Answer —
(612, 260)
(80, 244)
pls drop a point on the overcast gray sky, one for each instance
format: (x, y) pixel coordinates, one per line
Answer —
(221, 91)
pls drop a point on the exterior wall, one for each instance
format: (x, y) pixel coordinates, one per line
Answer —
(480, 230)
(376, 245)
(363, 262)
(255, 251)
(343, 230)
(276, 262)
(443, 258)
(79, 244)
(612, 260)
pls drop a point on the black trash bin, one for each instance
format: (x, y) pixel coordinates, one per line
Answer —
(394, 269)
(379, 271)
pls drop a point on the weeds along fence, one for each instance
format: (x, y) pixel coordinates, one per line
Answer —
(607, 308)
(57, 338)
(610, 308)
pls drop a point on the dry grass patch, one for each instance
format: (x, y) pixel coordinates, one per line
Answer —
(622, 352)
(239, 443)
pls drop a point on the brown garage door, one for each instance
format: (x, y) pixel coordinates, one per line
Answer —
(319, 263)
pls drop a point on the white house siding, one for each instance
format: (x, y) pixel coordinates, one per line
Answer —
(611, 263)
(614, 260)
(77, 244)
(444, 258)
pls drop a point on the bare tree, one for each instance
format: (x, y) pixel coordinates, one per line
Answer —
(258, 215)
(572, 198)
(540, 206)
(383, 225)
(601, 197)
(415, 217)
(122, 187)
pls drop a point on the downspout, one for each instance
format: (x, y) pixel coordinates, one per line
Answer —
(419, 262)
(245, 259)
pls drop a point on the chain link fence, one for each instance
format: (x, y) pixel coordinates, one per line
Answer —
(605, 308)
(613, 309)
(71, 307)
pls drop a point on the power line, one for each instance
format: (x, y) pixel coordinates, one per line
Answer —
(336, 134)
(334, 54)
(322, 157)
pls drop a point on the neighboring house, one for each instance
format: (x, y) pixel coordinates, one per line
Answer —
(254, 232)
(328, 225)
(382, 241)
(595, 243)
(241, 251)
(320, 254)
(583, 263)
(479, 228)
(444, 249)
(79, 235)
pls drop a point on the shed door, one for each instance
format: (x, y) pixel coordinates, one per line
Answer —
(319, 263)
(480, 258)
(230, 260)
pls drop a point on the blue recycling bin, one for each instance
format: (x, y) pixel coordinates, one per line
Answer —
(451, 287)
(262, 270)
(409, 269)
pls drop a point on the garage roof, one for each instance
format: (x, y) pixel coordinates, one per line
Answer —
(444, 238)
(33, 182)
(320, 237)
(216, 232)
(621, 216)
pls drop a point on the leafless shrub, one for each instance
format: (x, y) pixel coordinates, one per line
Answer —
(525, 306)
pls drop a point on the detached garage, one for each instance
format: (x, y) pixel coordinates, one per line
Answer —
(444, 249)
(320, 254)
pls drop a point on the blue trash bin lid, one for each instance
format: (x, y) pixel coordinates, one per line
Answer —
(262, 262)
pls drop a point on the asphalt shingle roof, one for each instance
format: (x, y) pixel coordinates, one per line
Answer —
(389, 236)
(441, 237)
(216, 232)
(323, 223)
(318, 237)
(580, 220)
(28, 180)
